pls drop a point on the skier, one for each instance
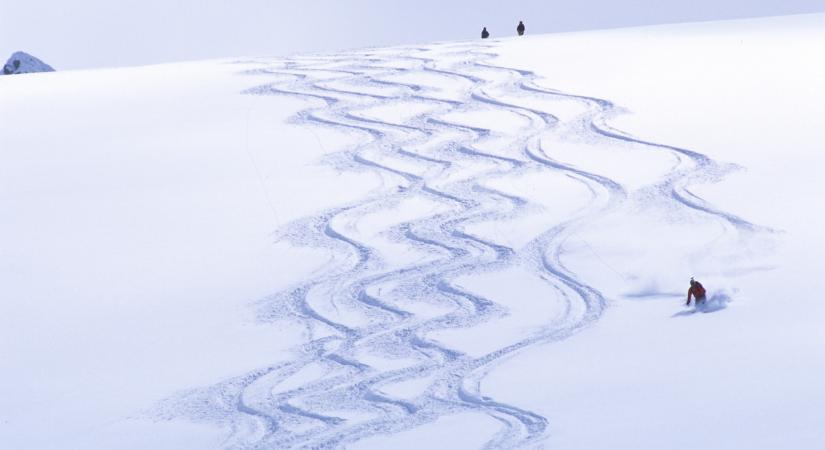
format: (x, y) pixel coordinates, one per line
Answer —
(697, 291)
(520, 28)
(484, 33)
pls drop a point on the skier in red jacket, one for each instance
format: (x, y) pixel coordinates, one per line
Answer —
(697, 291)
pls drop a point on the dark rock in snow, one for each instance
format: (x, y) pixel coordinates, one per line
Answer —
(21, 62)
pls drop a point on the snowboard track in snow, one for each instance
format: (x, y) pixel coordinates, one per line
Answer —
(328, 395)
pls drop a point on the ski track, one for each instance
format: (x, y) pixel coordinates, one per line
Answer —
(313, 413)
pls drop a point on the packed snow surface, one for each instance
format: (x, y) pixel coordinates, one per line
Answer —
(456, 245)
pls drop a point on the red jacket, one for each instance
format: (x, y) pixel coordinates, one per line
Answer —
(697, 291)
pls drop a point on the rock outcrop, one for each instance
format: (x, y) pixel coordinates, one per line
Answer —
(21, 62)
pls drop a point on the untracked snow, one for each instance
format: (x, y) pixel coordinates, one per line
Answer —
(455, 245)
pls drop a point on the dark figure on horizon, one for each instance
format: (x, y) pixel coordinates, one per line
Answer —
(484, 33)
(520, 28)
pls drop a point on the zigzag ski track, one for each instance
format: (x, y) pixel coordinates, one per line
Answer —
(363, 304)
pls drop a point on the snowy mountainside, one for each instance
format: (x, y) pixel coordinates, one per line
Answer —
(377, 248)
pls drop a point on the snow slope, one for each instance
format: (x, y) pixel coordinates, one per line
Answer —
(453, 245)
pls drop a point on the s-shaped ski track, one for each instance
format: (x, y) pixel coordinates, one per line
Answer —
(362, 304)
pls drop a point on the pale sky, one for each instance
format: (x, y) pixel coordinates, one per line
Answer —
(75, 34)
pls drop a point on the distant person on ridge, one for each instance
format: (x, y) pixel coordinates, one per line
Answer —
(697, 291)
(520, 28)
(484, 33)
